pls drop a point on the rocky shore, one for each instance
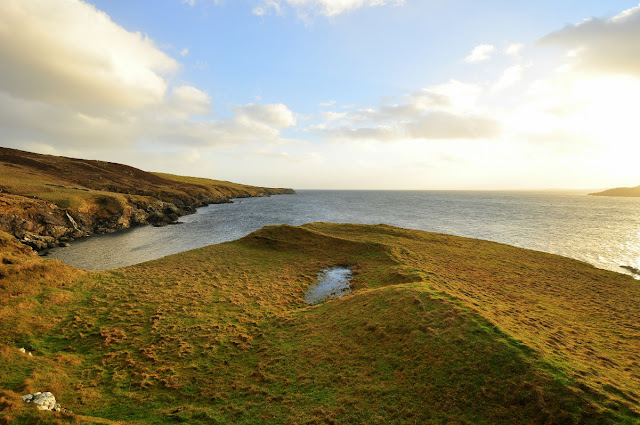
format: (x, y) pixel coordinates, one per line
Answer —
(47, 201)
(43, 225)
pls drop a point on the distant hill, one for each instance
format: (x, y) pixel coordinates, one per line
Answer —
(619, 191)
(47, 200)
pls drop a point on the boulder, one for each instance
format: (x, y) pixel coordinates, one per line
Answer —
(43, 401)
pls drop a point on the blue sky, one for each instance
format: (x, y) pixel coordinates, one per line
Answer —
(353, 94)
(354, 57)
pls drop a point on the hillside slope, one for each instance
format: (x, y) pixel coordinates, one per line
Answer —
(619, 191)
(439, 329)
(47, 200)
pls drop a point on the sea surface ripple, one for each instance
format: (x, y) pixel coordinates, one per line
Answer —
(603, 231)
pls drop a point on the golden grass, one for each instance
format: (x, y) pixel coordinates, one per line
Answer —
(439, 329)
(79, 184)
(580, 318)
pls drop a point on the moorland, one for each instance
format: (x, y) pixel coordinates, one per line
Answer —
(438, 329)
(47, 200)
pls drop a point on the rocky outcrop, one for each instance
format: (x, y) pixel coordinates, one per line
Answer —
(43, 225)
(43, 401)
(83, 197)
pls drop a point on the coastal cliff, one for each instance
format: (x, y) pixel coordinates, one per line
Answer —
(619, 191)
(47, 201)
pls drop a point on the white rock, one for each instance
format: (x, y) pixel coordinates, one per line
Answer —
(27, 398)
(44, 401)
(30, 355)
(23, 351)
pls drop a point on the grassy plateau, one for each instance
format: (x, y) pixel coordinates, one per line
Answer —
(438, 330)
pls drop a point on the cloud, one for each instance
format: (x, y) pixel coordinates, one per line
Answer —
(334, 116)
(480, 53)
(378, 133)
(320, 7)
(446, 125)
(514, 49)
(26, 122)
(184, 52)
(186, 101)
(510, 77)
(444, 112)
(69, 53)
(603, 45)
(266, 7)
(71, 78)
(275, 115)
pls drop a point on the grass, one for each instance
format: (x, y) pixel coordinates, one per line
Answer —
(222, 187)
(439, 329)
(100, 189)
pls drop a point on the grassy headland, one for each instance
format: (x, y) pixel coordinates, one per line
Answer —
(619, 191)
(46, 200)
(439, 329)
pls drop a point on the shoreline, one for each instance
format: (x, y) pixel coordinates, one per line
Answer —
(48, 201)
(43, 225)
(430, 303)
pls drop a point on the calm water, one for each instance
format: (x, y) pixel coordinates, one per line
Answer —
(603, 231)
(333, 282)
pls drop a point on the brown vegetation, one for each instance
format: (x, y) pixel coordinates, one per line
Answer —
(49, 200)
(620, 191)
(439, 329)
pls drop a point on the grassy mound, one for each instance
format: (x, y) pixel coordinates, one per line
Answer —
(439, 329)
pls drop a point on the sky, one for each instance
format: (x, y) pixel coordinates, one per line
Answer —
(331, 94)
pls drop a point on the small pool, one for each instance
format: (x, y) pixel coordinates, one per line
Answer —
(333, 282)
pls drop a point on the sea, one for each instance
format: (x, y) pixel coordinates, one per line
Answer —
(602, 231)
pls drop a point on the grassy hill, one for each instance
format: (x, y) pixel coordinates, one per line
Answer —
(46, 200)
(619, 191)
(30, 174)
(439, 329)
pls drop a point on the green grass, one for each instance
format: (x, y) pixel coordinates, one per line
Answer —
(438, 330)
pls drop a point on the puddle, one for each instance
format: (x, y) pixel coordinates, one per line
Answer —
(333, 282)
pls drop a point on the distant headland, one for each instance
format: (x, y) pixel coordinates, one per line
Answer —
(619, 191)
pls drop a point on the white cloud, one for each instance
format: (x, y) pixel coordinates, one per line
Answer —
(604, 45)
(514, 49)
(480, 53)
(510, 77)
(184, 52)
(188, 100)
(71, 78)
(266, 7)
(320, 7)
(275, 115)
(447, 125)
(445, 111)
(334, 116)
(71, 54)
